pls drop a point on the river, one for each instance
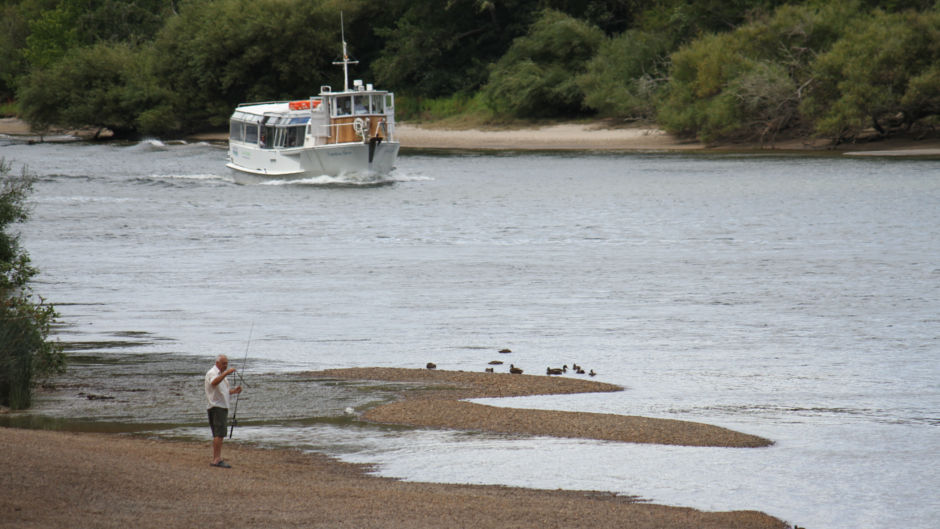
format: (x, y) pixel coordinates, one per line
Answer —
(791, 297)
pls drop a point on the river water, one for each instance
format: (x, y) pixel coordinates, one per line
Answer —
(792, 297)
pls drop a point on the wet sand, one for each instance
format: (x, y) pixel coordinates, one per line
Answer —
(435, 404)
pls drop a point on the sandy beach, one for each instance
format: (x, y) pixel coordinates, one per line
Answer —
(598, 135)
(602, 135)
(568, 136)
(56, 480)
(78, 480)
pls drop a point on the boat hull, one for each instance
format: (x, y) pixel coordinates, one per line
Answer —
(311, 162)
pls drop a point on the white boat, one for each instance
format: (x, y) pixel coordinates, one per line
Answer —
(334, 134)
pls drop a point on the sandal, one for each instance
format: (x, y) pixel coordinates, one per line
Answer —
(220, 464)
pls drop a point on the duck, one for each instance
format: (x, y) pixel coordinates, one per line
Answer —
(592, 373)
(514, 370)
(431, 365)
(553, 371)
(488, 370)
(575, 367)
(505, 351)
(496, 362)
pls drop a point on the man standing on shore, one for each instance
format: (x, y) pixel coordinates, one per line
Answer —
(218, 393)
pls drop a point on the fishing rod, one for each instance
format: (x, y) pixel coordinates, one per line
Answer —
(244, 361)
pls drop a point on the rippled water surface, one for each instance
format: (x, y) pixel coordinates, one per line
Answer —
(795, 298)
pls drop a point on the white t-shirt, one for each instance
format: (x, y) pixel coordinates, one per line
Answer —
(217, 395)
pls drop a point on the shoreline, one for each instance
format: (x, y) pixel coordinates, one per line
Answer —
(107, 480)
(60, 479)
(598, 135)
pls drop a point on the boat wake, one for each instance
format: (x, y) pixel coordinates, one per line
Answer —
(170, 178)
(351, 180)
(343, 180)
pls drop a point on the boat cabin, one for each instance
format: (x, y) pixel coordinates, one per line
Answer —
(360, 115)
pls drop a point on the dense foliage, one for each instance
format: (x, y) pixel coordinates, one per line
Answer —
(714, 69)
(25, 352)
(537, 75)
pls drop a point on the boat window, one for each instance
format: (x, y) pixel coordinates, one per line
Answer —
(244, 116)
(267, 137)
(236, 131)
(251, 133)
(361, 104)
(343, 106)
(378, 106)
(294, 137)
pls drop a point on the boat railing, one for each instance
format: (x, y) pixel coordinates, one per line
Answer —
(256, 103)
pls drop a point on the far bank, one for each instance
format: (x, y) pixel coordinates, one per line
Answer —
(599, 135)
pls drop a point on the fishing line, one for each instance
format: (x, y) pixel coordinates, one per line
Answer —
(244, 362)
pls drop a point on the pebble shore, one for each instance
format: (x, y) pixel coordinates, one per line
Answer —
(435, 403)
(105, 481)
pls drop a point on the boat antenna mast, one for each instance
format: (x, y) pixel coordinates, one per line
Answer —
(345, 62)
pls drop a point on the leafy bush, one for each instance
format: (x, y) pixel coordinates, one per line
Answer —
(219, 53)
(625, 76)
(435, 49)
(749, 83)
(882, 74)
(684, 20)
(90, 86)
(25, 352)
(696, 102)
(13, 32)
(457, 109)
(537, 77)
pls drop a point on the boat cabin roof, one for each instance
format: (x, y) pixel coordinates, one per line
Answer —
(255, 111)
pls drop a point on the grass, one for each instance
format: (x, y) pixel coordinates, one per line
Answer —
(8, 109)
(457, 111)
(463, 111)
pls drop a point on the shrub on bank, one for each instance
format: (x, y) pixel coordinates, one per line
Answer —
(25, 351)
(92, 86)
(883, 74)
(537, 77)
(750, 83)
(625, 76)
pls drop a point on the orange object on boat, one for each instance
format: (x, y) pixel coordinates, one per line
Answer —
(299, 105)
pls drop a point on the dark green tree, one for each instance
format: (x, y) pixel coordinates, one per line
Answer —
(883, 74)
(438, 48)
(14, 28)
(537, 77)
(219, 53)
(626, 75)
(53, 33)
(25, 322)
(90, 86)
(68, 24)
(684, 20)
(749, 83)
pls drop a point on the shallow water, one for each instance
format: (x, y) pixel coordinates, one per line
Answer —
(789, 297)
